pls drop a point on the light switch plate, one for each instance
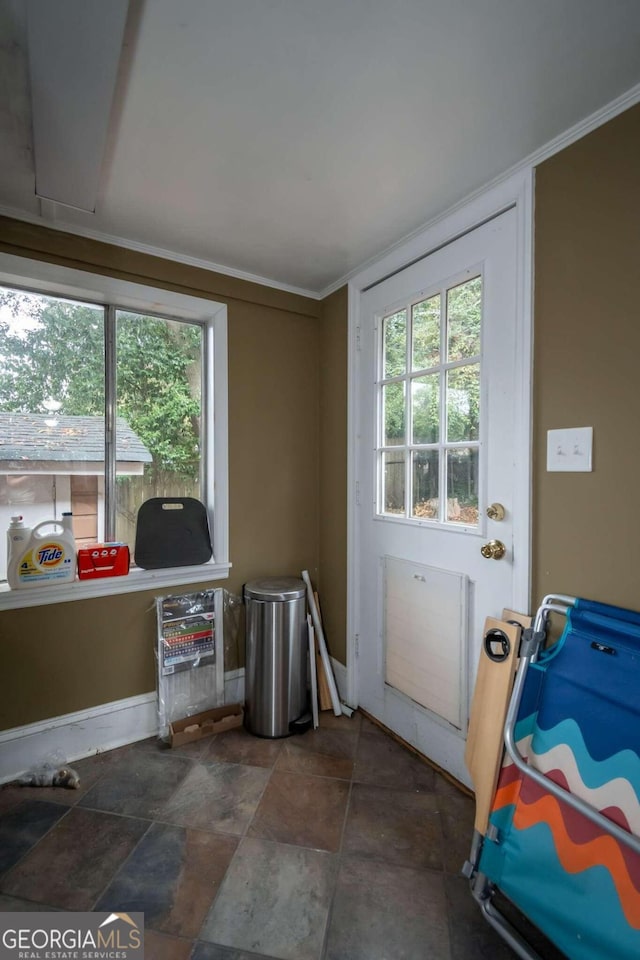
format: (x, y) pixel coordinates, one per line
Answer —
(570, 450)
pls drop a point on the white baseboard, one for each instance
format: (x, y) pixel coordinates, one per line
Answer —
(76, 735)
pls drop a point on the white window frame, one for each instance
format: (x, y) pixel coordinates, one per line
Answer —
(60, 281)
(443, 445)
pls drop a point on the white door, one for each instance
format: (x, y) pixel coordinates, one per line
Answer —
(436, 430)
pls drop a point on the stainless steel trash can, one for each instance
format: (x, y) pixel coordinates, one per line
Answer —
(276, 655)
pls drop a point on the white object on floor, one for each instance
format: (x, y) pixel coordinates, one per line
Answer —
(326, 662)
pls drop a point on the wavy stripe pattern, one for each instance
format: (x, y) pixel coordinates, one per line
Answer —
(580, 829)
(579, 725)
(582, 917)
(548, 754)
(624, 763)
(574, 857)
(579, 846)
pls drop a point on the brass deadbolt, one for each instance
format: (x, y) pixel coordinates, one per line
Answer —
(495, 511)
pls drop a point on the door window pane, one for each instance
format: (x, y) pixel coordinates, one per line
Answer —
(462, 485)
(395, 344)
(425, 401)
(426, 333)
(432, 407)
(394, 414)
(159, 414)
(393, 482)
(464, 316)
(463, 403)
(425, 479)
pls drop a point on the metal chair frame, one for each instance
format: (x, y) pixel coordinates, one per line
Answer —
(481, 887)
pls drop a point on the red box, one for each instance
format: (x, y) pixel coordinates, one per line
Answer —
(103, 560)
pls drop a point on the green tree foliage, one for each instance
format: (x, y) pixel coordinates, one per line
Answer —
(53, 350)
(464, 315)
(395, 344)
(158, 394)
(425, 398)
(426, 334)
(431, 340)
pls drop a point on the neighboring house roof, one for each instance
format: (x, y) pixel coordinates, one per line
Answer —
(33, 436)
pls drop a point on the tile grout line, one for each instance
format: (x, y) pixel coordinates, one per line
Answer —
(435, 871)
(419, 755)
(338, 861)
(70, 807)
(122, 865)
(338, 857)
(159, 821)
(262, 793)
(33, 846)
(131, 748)
(334, 856)
(150, 822)
(239, 838)
(338, 865)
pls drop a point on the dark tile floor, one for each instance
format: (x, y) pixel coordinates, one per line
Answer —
(335, 845)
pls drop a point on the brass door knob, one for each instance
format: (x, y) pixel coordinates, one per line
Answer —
(495, 511)
(493, 550)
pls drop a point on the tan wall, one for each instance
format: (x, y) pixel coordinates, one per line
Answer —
(333, 471)
(586, 527)
(67, 657)
(287, 406)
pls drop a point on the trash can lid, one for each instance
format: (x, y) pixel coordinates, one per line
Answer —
(275, 588)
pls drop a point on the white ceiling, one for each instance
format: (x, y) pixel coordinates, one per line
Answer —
(297, 139)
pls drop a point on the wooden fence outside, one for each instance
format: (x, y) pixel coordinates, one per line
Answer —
(132, 492)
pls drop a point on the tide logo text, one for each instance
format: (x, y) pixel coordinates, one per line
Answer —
(49, 555)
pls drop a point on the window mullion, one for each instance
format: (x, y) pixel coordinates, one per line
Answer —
(110, 422)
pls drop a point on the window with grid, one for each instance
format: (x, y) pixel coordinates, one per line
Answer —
(106, 404)
(429, 407)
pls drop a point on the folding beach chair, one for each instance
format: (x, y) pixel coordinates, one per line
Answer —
(563, 836)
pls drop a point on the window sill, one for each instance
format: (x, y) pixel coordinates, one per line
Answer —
(134, 582)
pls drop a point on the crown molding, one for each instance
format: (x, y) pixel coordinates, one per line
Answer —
(563, 140)
(153, 251)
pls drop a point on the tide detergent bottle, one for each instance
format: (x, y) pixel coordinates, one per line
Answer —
(35, 558)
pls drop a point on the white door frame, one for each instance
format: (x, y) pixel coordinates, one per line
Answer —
(515, 191)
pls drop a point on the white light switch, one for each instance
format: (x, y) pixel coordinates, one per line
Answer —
(570, 450)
